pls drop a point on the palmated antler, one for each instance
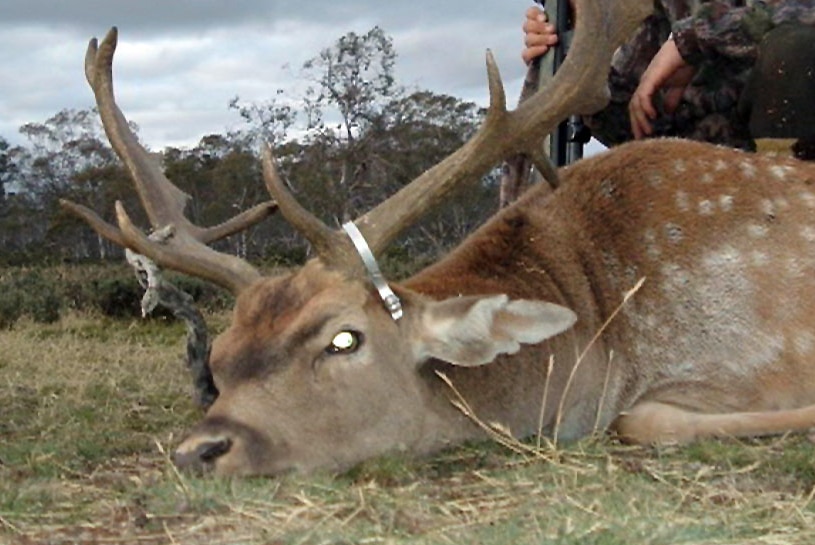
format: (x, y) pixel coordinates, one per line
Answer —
(579, 87)
(184, 248)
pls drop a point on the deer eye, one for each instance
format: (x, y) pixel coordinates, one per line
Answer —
(345, 342)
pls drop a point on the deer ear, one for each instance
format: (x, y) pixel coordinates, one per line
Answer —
(471, 331)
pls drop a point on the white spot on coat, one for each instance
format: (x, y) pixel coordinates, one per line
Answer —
(654, 179)
(808, 233)
(608, 188)
(706, 207)
(795, 268)
(780, 172)
(758, 258)
(768, 208)
(725, 257)
(808, 199)
(757, 231)
(682, 201)
(804, 343)
(676, 276)
(748, 169)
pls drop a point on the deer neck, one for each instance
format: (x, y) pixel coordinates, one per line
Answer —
(529, 252)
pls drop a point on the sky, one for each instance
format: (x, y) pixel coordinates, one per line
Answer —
(179, 62)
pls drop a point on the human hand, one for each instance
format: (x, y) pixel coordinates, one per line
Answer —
(539, 34)
(667, 72)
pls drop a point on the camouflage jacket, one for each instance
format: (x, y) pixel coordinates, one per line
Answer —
(719, 37)
(733, 30)
(722, 31)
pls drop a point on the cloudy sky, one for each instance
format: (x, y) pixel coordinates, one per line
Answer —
(180, 61)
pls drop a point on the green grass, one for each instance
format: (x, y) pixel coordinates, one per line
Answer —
(90, 407)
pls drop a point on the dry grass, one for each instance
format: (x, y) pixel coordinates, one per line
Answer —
(89, 408)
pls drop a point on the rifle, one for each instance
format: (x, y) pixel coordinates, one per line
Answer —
(567, 141)
(565, 144)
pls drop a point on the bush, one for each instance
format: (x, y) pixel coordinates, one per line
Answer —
(10, 310)
(28, 293)
(109, 289)
(206, 295)
(118, 297)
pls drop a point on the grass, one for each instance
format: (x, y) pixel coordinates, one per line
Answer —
(90, 408)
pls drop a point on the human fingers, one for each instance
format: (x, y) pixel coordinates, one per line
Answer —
(640, 114)
(539, 27)
(531, 53)
(534, 13)
(539, 34)
(536, 45)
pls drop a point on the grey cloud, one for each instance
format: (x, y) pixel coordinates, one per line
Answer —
(179, 62)
(156, 16)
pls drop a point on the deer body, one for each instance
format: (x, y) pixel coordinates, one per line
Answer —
(709, 229)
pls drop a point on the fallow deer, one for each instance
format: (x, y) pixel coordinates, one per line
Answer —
(315, 371)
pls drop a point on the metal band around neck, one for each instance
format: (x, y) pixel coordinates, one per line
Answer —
(392, 302)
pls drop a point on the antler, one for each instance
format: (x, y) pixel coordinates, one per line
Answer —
(182, 245)
(333, 247)
(579, 87)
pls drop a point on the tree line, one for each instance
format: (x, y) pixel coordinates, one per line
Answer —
(360, 137)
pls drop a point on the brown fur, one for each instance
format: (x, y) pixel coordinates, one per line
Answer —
(718, 341)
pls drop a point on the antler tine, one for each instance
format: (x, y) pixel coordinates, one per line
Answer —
(333, 248)
(578, 87)
(190, 256)
(185, 250)
(382, 224)
(163, 202)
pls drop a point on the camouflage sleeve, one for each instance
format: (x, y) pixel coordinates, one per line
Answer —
(724, 28)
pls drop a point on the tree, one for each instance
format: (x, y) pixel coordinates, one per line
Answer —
(354, 77)
(423, 128)
(68, 157)
(5, 169)
(365, 137)
(269, 122)
(14, 208)
(352, 81)
(222, 175)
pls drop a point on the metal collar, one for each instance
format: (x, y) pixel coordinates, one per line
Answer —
(392, 302)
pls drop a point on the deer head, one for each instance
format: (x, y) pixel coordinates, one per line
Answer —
(313, 370)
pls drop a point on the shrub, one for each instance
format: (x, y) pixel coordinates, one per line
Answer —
(10, 310)
(118, 297)
(28, 293)
(109, 289)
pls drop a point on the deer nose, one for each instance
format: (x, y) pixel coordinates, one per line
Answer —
(200, 454)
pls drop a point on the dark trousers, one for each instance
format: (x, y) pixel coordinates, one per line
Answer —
(779, 99)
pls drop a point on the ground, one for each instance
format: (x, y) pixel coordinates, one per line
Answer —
(91, 406)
